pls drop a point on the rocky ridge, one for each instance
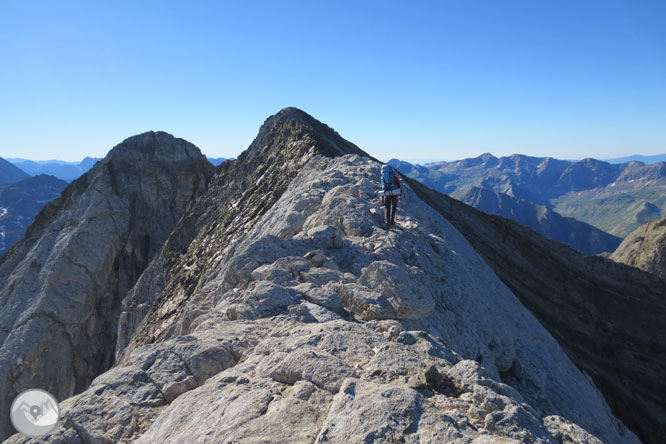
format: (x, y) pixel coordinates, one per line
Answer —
(61, 285)
(241, 191)
(645, 248)
(286, 313)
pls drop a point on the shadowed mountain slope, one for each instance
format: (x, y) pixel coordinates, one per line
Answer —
(610, 318)
(579, 235)
(62, 284)
(10, 172)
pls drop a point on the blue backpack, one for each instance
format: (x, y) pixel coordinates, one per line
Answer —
(388, 177)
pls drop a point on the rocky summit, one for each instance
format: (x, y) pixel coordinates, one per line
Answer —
(281, 310)
(61, 286)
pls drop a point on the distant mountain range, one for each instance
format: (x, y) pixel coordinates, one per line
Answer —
(59, 168)
(638, 158)
(218, 160)
(615, 198)
(579, 235)
(26, 186)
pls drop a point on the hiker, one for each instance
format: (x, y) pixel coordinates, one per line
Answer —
(391, 193)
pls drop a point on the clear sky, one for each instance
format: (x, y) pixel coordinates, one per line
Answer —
(413, 80)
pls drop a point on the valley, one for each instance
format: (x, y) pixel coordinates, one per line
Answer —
(607, 200)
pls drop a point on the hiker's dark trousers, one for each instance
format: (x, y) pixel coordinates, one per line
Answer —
(390, 205)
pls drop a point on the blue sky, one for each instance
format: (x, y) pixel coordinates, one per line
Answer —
(413, 80)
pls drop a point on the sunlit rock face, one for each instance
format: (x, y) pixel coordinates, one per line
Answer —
(645, 248)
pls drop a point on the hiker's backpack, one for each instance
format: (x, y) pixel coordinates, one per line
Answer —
(388, 177)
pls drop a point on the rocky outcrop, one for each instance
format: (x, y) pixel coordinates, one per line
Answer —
(609, 318)
(20, 202)
(645, 248)
(61, 285)
(289, 314)
(579, 235)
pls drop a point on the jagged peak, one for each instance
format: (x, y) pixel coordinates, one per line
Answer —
(292, 124)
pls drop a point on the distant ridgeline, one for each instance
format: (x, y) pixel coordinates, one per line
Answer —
(218, 160)
(638, 158)
(606, 201)
(59, 168)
